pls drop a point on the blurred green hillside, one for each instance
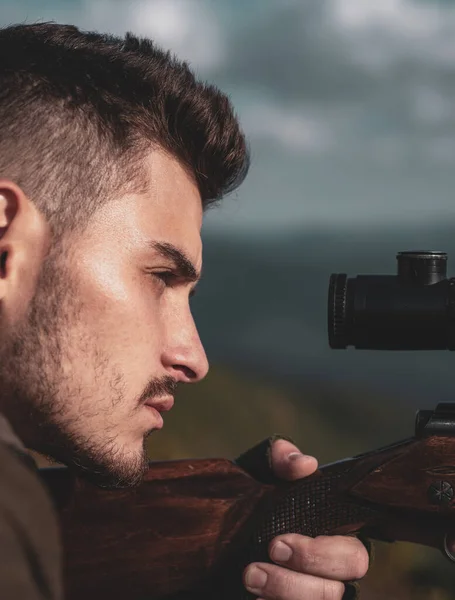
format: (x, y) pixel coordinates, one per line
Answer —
(228, 413)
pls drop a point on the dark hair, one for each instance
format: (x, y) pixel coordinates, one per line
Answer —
(79, 112)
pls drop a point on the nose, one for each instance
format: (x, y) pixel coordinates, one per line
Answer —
(184, 357)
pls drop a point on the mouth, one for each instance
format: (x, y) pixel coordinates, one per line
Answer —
(161, 404)
(156, 406)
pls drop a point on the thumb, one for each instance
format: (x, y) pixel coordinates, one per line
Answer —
(289, 463)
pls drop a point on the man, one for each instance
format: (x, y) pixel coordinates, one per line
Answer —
(110, 153)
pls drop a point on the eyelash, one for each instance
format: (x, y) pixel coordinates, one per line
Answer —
(166, 277)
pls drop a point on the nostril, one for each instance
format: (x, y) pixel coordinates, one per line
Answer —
(3, 263)
(186, 371)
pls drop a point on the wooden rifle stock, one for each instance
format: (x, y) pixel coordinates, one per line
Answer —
(193, 525)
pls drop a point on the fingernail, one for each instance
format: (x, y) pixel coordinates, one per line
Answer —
(255, 579)
(295, 455)
(281, 552)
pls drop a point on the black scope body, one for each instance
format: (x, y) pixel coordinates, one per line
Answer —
(413, 310)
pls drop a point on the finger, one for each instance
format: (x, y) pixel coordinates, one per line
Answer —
(332, 557)
(272, 582)
(289, 463)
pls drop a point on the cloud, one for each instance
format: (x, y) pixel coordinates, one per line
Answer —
(402, 41)
(190, 28)
(371, 71)
(336, 49)
(397, 16)
(289, 128)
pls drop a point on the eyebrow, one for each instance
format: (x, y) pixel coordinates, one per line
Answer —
(185, 268)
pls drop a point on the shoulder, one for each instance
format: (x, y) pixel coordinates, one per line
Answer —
(29, 532)
(20, 486)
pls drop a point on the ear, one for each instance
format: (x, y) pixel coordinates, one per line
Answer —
(24, 240)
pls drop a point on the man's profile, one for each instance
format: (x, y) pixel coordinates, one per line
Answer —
(110, 152)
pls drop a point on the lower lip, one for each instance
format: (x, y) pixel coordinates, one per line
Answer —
(156, 415)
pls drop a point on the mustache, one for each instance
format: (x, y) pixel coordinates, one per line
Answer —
(160, 386)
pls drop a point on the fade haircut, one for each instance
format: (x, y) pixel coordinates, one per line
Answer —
(80, 111)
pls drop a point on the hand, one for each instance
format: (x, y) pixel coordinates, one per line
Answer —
(316, 567)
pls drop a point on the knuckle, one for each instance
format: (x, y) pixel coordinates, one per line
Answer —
(354, 556)
(306, 554)
(352, 559)
(332, 590)
(287, 588)
(360, 562)
(357, 559)
(309, 560)
(280, 585)
(319, 545)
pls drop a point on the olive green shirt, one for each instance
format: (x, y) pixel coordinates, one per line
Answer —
(30, 552)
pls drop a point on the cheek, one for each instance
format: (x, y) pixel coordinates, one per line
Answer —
(120, 309)
(104, 277)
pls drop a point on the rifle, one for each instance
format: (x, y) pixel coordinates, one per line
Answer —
(193, 525)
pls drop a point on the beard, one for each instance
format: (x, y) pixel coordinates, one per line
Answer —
(38, 394)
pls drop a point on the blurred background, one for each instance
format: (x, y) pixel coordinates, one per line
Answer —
(349, 109)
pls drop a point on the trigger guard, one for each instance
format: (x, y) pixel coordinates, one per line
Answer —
(447, 552)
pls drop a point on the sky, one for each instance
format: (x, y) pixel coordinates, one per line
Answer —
(348, 105)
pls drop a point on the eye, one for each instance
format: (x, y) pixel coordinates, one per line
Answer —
(166, 277)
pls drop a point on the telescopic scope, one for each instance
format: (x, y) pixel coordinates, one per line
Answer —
(413, 310)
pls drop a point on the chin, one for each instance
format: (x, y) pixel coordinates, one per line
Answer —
(118, 462)
(114, 475)
(116, 468)
(125, 470)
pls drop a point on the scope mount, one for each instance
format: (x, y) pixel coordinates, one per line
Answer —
(440, 421)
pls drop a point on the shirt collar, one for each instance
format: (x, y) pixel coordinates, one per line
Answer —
(7, 435)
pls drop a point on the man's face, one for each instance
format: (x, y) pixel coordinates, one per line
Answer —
(109, 329)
